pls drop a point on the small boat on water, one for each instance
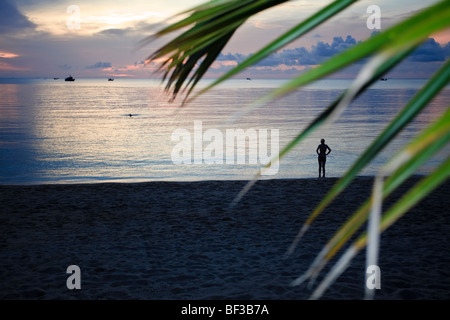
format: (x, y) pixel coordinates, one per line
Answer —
(383, 79)
(55, 78)
(110, 79)
(70, 78)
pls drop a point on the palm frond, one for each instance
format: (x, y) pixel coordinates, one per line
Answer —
(406, 115)
(408, 33)
(330, 113)
(433, 139)
(286, 38)
(411, 198)
(212, 25)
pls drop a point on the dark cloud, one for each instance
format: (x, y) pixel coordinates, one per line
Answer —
(100, 65)
(326, 50)
(231, 57)
(11, 19)
(446, 50)
(151, 27)
(138, 30)
(299, 56)
(113, 32)
(429, 51)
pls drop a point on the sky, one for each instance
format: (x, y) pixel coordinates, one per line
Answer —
(99, 38)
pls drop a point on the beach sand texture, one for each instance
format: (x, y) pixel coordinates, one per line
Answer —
(179, 240)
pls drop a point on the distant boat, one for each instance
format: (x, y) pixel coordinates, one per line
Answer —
(70, 78)
(110, 79)
(55, 78)
(249, 79)
(383, 79)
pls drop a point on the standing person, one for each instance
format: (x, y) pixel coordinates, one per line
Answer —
(322, 150)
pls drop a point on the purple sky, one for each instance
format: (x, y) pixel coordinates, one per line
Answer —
(99, 38)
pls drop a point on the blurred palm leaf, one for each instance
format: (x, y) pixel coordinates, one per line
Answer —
(429, 142)
(212, 25)
(196, 49)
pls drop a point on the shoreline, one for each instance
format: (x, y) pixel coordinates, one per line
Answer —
(179, 240)
(118, 182)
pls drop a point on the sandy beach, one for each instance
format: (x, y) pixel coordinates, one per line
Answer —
(180, 241)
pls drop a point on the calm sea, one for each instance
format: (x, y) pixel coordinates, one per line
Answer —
(52, 131)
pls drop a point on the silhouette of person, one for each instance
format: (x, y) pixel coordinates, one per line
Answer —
(322, 150)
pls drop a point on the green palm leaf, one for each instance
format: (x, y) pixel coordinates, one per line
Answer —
(429, 142)
(211, 26)
(291, 35)
(199, 46)
(411, 198)
(418, 103)
(320, 120)
(406, 34)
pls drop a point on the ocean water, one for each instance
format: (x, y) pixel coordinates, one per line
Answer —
(52, 131)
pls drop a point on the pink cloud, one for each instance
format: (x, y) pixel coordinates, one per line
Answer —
(8, 55)
(4, 66)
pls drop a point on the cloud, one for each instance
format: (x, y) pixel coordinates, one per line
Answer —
(113, 32)
(11, 19)
(137, 29)
(430, 51)
(100, 65)
(298, 56)
(293, 61)
(8, 55)
(231, 57)
(4, 66)
(326, 50)
(446, 50)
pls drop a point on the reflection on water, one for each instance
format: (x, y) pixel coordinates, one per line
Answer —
(57, 132)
